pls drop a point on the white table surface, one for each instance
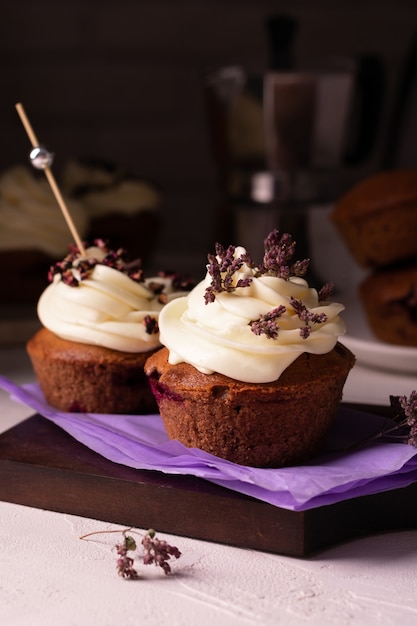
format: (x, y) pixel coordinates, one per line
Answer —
(48, 576)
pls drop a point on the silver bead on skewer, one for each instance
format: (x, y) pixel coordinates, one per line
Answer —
(41, 158)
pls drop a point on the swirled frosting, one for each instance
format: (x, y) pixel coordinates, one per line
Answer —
(30, 217)
(108, 308)
(219, 336)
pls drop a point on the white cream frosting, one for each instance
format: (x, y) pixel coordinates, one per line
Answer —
(107, 309)
(30, 217)
(217, 337)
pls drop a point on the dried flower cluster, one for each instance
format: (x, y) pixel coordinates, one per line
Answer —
(307, 317)
(405, 418)
(279, 251)
(222, 267)
(151, 325)
(125, 562)
(179, 282)
(114, 259)
(158, 551)
(402, 425)
(267, 324)
(155, 551)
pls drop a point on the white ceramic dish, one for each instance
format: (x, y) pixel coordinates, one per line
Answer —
(368, 349)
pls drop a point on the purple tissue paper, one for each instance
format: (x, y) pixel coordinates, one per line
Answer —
(339, 473)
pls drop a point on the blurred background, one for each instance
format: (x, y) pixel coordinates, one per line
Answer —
(134, 82)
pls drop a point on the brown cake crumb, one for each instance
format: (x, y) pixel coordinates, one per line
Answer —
(76, 377)
(265, 424)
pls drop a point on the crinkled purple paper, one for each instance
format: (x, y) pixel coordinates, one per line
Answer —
(140, 441)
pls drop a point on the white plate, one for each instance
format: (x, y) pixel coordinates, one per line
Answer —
(368, 349)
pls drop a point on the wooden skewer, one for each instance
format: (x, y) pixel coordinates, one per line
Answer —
(51, 179)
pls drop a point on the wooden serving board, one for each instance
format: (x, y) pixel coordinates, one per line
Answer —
(42, 466)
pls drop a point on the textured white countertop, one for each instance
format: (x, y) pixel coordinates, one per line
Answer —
(49, 576)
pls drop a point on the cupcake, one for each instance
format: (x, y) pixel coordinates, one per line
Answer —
(251, 369)
(377, 219)
(389, 298)
(99, 320)
(32, 233)
(120, 207)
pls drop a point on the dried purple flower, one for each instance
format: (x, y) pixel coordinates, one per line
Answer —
(151, 325)
(409, 411)
(267, 324)
(306, 316)
(69, 279)
(158, 551)
(155, 287)
(124, 563)
(222, 267)
(179, 282)
(325, 292)
(114, 259)
(279, 250)
(403, 423)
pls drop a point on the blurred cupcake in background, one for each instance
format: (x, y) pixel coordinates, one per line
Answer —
(104, 202)
(119, 207)
(33, 232)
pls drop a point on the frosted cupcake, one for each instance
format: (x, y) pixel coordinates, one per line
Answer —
(100, 323)
(32, 233)
(120, 207)
(251, 369)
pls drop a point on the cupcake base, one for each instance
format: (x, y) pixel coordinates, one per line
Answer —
(263, 425)
(77, 377)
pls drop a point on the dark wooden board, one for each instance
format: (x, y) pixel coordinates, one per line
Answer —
(41, 466)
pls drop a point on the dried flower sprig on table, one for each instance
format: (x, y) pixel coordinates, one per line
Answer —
(155, 551)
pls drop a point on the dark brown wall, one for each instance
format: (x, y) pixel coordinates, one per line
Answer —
(122, 80)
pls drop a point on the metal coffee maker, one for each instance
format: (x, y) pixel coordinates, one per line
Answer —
(280, 143)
